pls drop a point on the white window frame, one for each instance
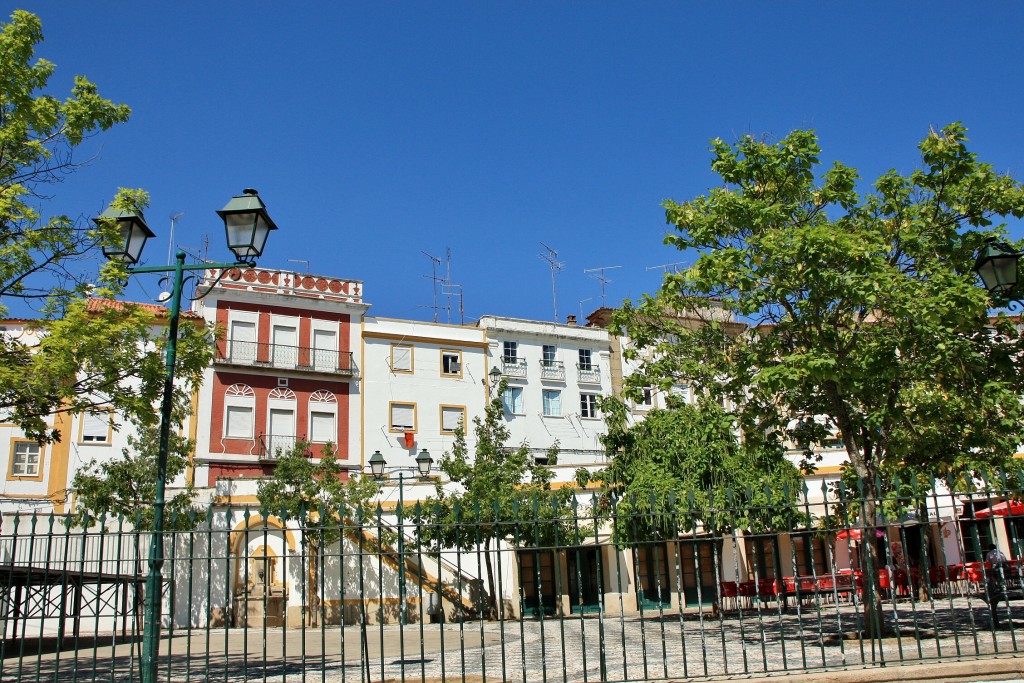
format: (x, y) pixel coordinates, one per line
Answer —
(586, 359)
(328, 410)
(506, 347)
(513, 392)
(251, 409)
(589, 409)
(240, 401)
(245, 355)
(547, 405)
(544, 354)
(333, 354)
(108, 432)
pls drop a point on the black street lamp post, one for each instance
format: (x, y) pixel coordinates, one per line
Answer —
(247, 226)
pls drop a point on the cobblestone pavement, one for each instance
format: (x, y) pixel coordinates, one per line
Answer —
(769, 640)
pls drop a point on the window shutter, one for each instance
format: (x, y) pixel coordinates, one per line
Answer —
(95, 426)
(450, 419)
(239, 422)
(321, 427)
(403, 416)
(402, 357)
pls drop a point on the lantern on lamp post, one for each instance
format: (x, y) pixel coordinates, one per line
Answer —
(247, 243)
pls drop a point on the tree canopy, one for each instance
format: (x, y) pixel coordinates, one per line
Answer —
(864, 307)
(685, 468)
(72, 355)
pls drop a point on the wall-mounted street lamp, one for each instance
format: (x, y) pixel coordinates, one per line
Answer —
(998, 267)
(247, 227)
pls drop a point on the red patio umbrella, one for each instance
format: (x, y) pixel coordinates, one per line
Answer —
(1013, 508)
(856, 534)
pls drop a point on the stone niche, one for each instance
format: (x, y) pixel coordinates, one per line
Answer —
(261, 600)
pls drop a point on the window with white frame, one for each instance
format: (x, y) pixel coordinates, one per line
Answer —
(451, 418)
(510, 352)
(586, 357)
(512, 399)
(239, 409)
(26, 459)
(322, 426)
(552, 402)
(588, 405)
(451, 363)
(238, 422)
(403, 417)
(323, 417)
(96, 427)
(242, 341)
(401, 358)
(549, 354)
(646, 398)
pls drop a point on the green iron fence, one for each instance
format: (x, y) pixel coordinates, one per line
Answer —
(594, 589)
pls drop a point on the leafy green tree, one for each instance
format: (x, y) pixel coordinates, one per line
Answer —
(316, 496)
(865, 307)
(685, 466)
(74, 356)
(124, 488)
(505, 494)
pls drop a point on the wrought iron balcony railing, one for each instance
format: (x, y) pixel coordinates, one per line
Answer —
(273, 446)
(282, 357)
(513, 367)
(588, 374)
(552, 370)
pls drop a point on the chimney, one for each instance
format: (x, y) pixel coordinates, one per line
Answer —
(570, 320)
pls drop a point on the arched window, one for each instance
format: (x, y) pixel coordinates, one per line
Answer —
(239, 408)
(323, 417)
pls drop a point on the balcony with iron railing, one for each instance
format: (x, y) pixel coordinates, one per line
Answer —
(589, 373)
(274, 446)
(284, 357)
(513, 367)
(552, 370)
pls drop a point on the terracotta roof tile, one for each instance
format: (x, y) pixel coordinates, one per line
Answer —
(155, 309)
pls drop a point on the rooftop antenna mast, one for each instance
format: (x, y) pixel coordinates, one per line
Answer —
(434, 263)
(666, 266)
(598, 274)
(583, 301)
(170, 245)
(551, 258)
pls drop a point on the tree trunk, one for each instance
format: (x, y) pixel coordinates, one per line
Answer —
(313, 598)
(492, 603)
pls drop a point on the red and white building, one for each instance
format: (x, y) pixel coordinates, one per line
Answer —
(286, 368)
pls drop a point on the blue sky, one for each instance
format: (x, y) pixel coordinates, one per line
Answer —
(378, 131)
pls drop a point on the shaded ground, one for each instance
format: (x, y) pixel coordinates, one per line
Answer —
(660, 645)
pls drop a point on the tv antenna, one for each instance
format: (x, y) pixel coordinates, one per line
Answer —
(551, 258)
(598, 274)
(434, 263)
(300, 260)
(666, 266)
(583, 301)
(170, 245)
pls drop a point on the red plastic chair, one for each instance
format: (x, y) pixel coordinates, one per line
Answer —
(729, 591)
(748, 591)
